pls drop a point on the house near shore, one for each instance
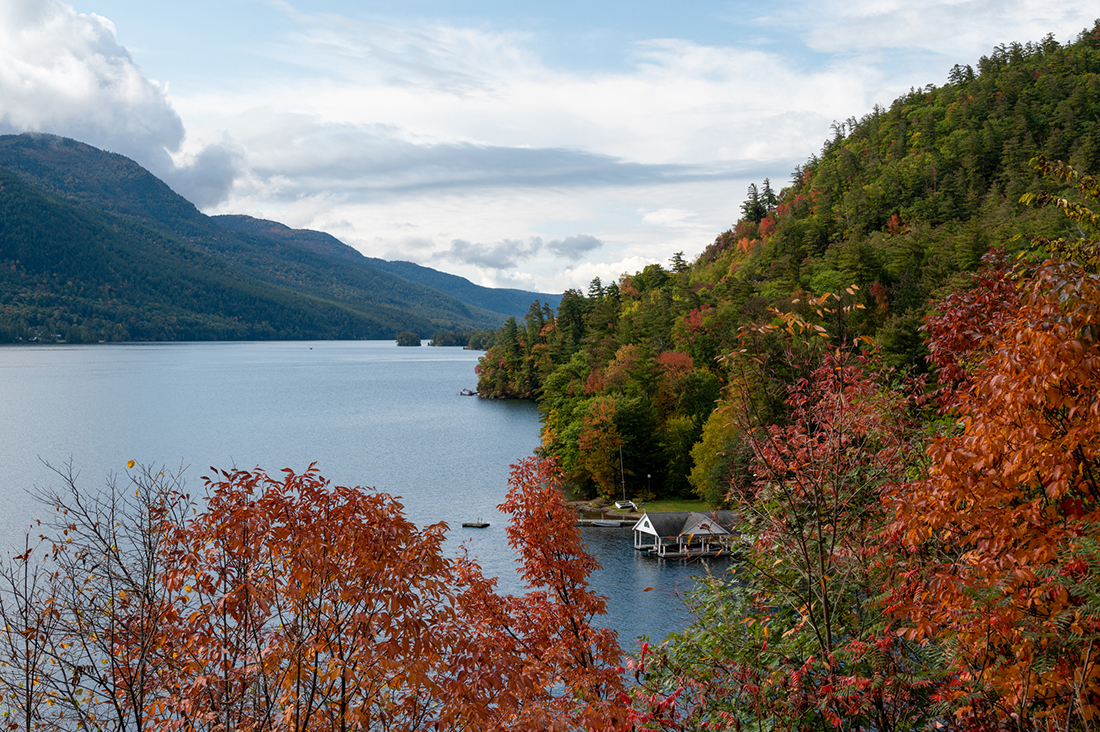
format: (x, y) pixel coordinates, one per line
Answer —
(682, 534)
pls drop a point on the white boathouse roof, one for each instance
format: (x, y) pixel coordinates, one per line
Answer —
(678, 523)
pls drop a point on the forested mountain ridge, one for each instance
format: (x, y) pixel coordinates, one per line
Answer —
(86, 189)
(506, 301)
(894, 213)
(75, 274)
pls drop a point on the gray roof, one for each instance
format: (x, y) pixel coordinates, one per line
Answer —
(675, 523)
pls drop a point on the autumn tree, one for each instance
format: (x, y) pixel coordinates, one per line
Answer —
(300, 605)
(287, 603)
(797, 640)
(600, 443)
(568, 669)
(25, 587)
(1003, 529)
(84, 608)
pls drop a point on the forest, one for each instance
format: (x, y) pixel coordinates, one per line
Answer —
(890, 369)
(94, 248)
(893, 216)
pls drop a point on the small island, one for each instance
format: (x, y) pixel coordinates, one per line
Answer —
(408, 338)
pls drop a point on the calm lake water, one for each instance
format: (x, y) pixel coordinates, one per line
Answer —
(368, 413)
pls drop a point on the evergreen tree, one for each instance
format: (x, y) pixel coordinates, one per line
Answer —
(768, 198)
(753, 208)
(595, 289)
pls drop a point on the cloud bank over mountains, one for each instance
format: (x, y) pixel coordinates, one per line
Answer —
(64, 73)
(526, 150)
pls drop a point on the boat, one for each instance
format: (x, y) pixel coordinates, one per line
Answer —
(479, 524)
(624, 504)
(606, 523)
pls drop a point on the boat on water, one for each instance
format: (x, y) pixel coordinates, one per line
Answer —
(606, 523)
(479, 524)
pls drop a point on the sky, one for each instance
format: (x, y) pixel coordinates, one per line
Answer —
(534, 145)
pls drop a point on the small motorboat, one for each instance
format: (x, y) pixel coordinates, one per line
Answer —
(479, 524)
(607, 523)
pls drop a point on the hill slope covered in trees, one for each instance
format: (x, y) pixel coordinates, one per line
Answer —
(142, 226)
(896, 211)
(891, 373)
(507, 302)
(75, 274)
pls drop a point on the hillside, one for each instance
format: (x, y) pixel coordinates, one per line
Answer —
(894, 214)
(507, 302)
(511, 302)
(76, 274)
(109, 193)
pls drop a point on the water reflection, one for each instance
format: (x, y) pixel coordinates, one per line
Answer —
(625, 576)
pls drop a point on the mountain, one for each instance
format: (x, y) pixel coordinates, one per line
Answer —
(507, 301)
(126, 226)
(500, 300)
(74, 273)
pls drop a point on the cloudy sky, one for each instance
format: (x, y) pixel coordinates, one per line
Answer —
(533, 145)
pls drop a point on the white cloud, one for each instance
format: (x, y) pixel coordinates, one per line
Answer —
(959, 29)
(458, 146)
(573, 248)
(504, 254)
(608, 272)
(666, 216)
(65, 73)
(515, 150)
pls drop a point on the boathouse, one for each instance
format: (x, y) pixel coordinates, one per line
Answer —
(680, 534)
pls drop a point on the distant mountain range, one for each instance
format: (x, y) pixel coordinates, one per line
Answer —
(498, 300)
(93, 247)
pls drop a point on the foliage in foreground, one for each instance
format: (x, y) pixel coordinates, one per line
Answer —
(797, 638)
(917, 565)
(290, 604)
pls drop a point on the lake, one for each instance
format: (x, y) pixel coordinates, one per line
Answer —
(367, 412)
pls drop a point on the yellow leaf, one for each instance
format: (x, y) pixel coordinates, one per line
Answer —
(129, 463)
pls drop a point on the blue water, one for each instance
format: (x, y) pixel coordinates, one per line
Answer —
(368, 413)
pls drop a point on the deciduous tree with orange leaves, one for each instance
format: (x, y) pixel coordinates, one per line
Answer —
(570, 672)
(1004, 532)
(287, 603)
